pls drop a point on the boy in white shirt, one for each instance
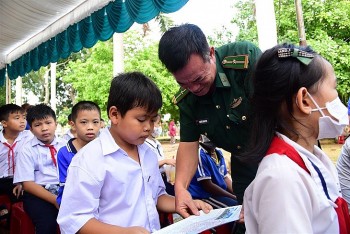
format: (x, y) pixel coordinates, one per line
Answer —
(12, 137)
(36, 169)
(113, 183)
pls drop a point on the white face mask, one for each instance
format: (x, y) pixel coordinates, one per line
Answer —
(328, 127)
(156, 132)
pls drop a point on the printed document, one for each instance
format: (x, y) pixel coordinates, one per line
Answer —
(196, 224)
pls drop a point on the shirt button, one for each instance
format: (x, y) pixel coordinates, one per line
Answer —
(228, 116)
(244, 117)
(217, 107)
(227, 127)
(239, 147)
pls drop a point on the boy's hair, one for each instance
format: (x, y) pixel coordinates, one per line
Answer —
(39, 112)
(178, 44)
(84, 105)
(134, 89)
(6, 110)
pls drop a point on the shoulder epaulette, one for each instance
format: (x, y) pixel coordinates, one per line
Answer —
(180, 95)
(236, 62)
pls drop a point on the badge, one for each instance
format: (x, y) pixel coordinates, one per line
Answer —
(236, 102)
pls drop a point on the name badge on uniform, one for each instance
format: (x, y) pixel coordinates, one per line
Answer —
(202, 121)
(236, 102)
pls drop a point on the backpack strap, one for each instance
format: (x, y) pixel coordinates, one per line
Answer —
(280, 147)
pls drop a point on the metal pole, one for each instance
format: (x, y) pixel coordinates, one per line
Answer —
(300, 21)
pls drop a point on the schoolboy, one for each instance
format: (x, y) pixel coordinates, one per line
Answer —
(212, 183)
(12, 138)
(36, 169)
(113, 183)
(86, 117)
(71, 133)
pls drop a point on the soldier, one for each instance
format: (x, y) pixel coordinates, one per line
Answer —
(213, 100)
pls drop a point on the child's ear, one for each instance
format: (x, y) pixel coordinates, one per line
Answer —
(303, 101)
(113, 114)
(4, 123)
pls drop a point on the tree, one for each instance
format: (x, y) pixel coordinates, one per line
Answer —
(327, 25)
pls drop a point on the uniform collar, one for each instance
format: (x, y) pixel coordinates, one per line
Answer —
(221, 80)
(70, 146)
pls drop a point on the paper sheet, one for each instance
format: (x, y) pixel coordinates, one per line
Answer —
(196, 224)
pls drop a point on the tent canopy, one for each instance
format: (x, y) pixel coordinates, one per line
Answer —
(34, 33)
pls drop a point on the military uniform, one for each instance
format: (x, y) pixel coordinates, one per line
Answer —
(224, 115)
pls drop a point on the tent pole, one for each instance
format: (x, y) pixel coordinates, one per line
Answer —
(8, 90)
(300, 21)
(19, 91)
(53, 86)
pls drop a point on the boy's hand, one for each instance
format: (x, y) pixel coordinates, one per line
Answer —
(201, 205)
(241, 215)
(18, 190)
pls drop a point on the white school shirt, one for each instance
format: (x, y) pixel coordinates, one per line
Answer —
(284, 198)
(6, 166)
(157, 146)
(104, 183)
(34, 162)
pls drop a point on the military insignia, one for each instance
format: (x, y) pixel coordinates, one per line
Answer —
(202, 121)
(180, 95)
(236, 62)
(224, 79)
(236, 102)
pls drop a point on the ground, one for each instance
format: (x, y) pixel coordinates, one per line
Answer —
(329, 146)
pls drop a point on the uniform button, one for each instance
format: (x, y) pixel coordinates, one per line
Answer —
(244, 117)
(217, 106)
(228, 116)
(227, 127)
(239, 147)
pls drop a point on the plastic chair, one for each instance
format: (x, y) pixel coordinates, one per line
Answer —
(20, 221)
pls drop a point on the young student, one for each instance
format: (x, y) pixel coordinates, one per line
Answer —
(296, 188)
(25, 107)
(343, 167)
(36, 169)
(212, 183)
(162, 161)
(86, 117)
(113, 183)
(172, 131)
(12, 138)
(71, 133)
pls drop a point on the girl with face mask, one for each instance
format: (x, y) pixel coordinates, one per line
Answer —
(163, 162)
(296, 189)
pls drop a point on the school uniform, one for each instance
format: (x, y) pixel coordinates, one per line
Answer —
(8, 155)
(68, 135)
(209, 169)
(37, 162)
(64, 158)
(285, 198)
(157, 147)
(104, 183)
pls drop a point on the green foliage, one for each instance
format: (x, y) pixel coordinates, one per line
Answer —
(2, 95)
(90, 76)
(327, 31)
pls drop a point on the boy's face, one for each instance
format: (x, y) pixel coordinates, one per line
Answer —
(134, 128)
(44, 129)
(87, 125)
(15, 122)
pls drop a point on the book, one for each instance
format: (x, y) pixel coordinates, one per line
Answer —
(196, 224)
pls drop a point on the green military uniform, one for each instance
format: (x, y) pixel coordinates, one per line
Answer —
(223, 116)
